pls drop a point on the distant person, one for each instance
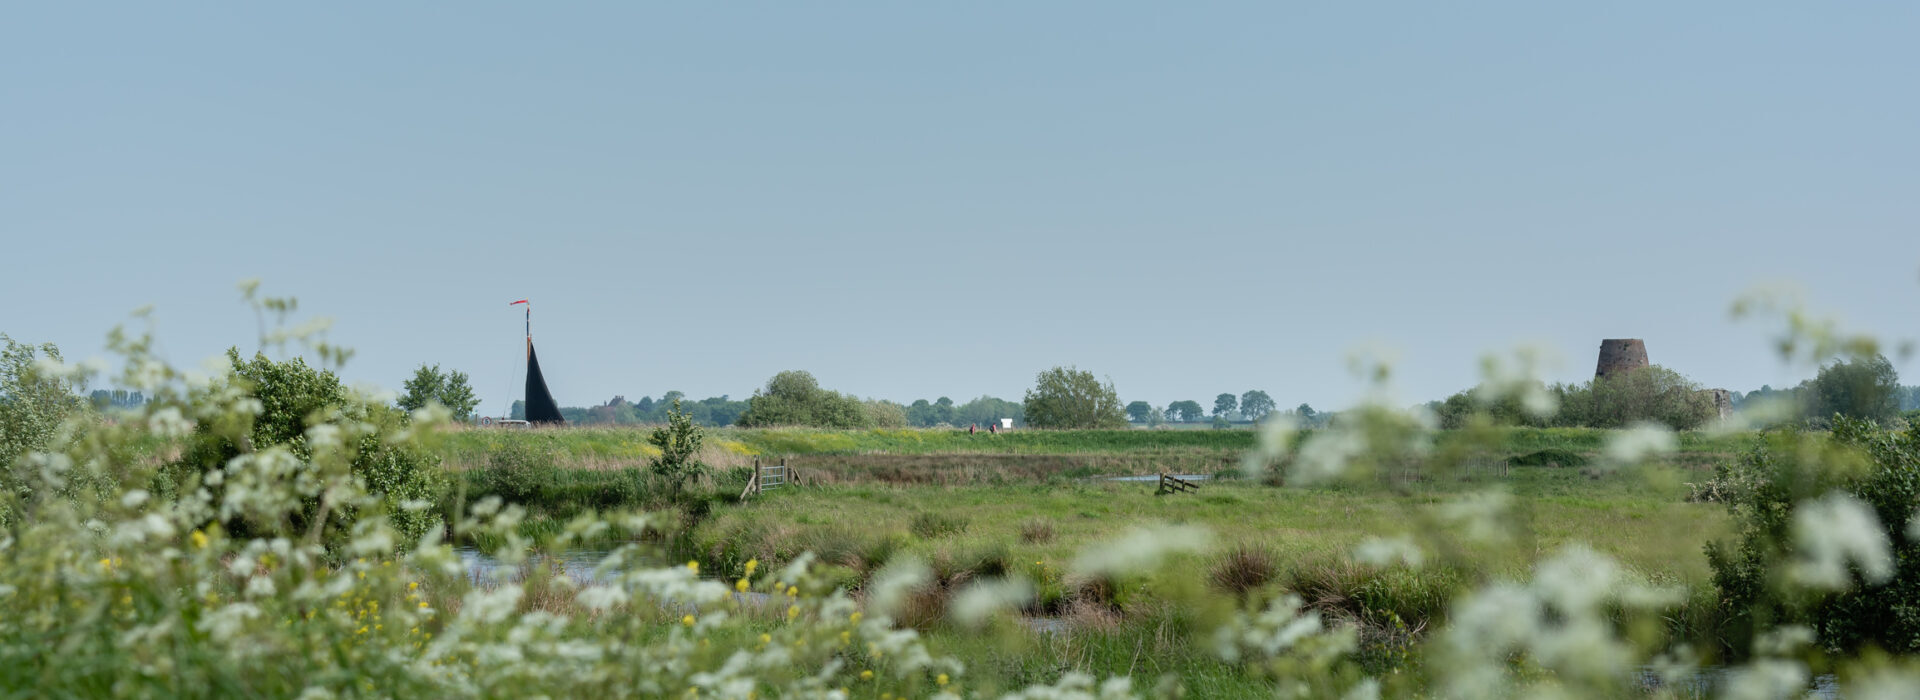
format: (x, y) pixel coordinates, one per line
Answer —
(993, 427)
(970, 427)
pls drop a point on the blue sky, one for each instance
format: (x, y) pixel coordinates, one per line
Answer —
(922, 199)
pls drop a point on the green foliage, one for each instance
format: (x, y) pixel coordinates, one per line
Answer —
(1650, 394)
(449, 389)
(1185, 412)
(1225, 404)
(33, 403)
(1065, 397)
(1220, 422)
(301, 410)
(886, 414)
(679, 440)
(515, 471)
(1867, 388)
(1255, 405)
(1139, 412)
(794, 398)
(1767, 490)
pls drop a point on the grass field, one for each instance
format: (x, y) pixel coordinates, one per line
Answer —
(1030, 503)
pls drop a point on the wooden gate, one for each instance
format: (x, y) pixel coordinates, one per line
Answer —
(769, 477)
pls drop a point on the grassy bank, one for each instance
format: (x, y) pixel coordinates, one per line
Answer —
(1197, 450)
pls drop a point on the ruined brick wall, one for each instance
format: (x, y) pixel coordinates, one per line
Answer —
(1722, 401)
(1619, 356)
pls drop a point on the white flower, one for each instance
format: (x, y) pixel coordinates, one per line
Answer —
(1478, 515)
(599, 598)
(1325, 455)
(894, 582)
(493, 605)
(1378, 551)
(979, 602)
(1138, 550)
(169, 423)
(1637, 444)
(1275, 437)
(1832, 532)
(1765, 679)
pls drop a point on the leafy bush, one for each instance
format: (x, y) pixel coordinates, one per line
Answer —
(515, 471)
(1650, 394)
(315, 419)
(1794, 497)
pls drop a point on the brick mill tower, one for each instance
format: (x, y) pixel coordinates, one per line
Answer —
(1619, 356)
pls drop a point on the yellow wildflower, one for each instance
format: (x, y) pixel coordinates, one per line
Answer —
(687, 620)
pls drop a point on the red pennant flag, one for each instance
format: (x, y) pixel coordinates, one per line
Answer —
(522, 301)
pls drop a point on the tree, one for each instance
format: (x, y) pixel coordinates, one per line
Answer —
(1306, 413)
(943, 411)
(1185, 412)
(794, 397)
(987, 409)
(32, 404)
(429, 384)
(1255, 405)
(886, 414)
(1139, 411)
(1863, 387)
(678, 441)
(1067, 397)
(1224, 404)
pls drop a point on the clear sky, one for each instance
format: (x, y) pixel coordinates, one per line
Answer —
(922, 199)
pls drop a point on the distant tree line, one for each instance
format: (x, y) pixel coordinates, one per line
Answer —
(1650, 394)
(103, 399)
(1867, 388)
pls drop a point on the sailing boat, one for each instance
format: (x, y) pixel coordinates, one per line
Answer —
(541, 410)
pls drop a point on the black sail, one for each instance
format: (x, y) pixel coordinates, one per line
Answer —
(540, 405)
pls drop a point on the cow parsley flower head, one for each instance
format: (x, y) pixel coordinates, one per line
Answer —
(1832, 532)
(1139, 550)
(1638, 444)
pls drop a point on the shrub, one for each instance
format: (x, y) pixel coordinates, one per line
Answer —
(1650, 394)
(307, 412)
(516, 470)
(1766, 490)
